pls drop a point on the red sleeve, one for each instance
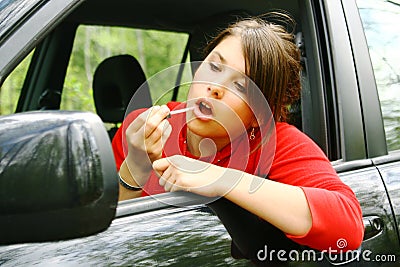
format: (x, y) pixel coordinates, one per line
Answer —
(117, 148)
(336, 212)
(118, 142)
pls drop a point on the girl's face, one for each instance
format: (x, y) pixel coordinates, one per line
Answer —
(218, 94)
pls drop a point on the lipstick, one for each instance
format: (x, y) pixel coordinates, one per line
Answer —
(178, 111)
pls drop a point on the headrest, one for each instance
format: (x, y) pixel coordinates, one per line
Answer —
(115, 81)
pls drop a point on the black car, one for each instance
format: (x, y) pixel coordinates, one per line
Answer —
(58, 181)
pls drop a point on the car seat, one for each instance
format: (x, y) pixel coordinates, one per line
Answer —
(115, 81)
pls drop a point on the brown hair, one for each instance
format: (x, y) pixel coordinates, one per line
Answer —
(272, 60)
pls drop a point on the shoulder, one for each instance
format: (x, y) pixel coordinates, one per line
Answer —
(292, 142)
(289, 135)
(298, 160)
(286, 129)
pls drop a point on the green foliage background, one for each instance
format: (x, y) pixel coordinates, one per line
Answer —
(155, 50)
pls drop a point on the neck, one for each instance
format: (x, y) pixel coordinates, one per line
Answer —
(200, 146)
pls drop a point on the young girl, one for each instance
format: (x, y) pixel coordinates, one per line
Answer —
(297, 190)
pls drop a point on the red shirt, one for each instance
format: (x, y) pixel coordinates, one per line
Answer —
(297, 161)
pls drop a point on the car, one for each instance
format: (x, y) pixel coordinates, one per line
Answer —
(57, 57)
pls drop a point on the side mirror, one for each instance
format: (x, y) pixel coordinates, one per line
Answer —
(58, 178)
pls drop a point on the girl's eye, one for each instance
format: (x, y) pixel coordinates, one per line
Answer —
(215, 67)
(240, 87)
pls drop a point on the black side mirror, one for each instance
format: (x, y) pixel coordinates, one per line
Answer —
(58, 178)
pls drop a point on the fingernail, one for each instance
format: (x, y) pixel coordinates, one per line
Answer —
(164, 109)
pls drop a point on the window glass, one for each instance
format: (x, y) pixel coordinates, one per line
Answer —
(11, 88)
(155, 50)
(381, 20)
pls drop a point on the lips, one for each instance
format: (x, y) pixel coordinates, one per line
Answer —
(204, 109)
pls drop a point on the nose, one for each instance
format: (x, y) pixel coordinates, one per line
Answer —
(215, 91)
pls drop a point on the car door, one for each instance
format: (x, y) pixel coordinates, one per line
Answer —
(144, 233)
(380, 20)
(362, 136)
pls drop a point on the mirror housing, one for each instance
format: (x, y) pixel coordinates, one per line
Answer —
(58, 177)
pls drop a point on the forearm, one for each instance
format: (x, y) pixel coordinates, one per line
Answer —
(138, 167)
(135, 173)
(282, 205)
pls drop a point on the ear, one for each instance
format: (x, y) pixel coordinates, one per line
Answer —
(254, 123)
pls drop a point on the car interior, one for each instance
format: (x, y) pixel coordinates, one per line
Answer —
(169, 16)
(114, 84)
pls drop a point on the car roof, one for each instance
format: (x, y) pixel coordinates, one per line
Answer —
(177, 15)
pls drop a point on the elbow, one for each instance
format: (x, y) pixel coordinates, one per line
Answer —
(354, 238)
(333, 235)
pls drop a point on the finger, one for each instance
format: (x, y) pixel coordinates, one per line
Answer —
(166, 132)
(162, 180)
(169, 183)
(166, 177)
(161, 133)
(154, 151)
(175, 188)
(154, 120)
(154, 144)
(140, 120)
(161, 165)
(179, 187)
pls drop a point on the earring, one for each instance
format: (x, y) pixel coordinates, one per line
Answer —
(252, 135)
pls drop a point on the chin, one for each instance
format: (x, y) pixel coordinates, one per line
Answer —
(209, 129)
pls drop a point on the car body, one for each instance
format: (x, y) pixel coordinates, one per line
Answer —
(342, 109)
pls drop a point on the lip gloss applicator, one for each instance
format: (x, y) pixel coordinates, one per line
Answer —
(178, 111)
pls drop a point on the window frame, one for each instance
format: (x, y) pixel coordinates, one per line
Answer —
(376, 83)
(375, 137)
(33, 28)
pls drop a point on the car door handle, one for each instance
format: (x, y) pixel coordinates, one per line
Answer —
(373, 226)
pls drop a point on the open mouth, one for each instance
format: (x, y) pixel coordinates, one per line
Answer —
(205, 108)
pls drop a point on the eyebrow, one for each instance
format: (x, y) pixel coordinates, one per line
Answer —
(219, 55)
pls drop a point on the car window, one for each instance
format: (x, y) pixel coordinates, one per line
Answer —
(11, 88)
(155, 51)
(380, 20)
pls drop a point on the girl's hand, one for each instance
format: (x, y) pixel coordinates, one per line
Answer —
(180, 173)
(145, 137)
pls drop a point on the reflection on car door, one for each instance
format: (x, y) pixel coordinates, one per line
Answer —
(380, 237)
